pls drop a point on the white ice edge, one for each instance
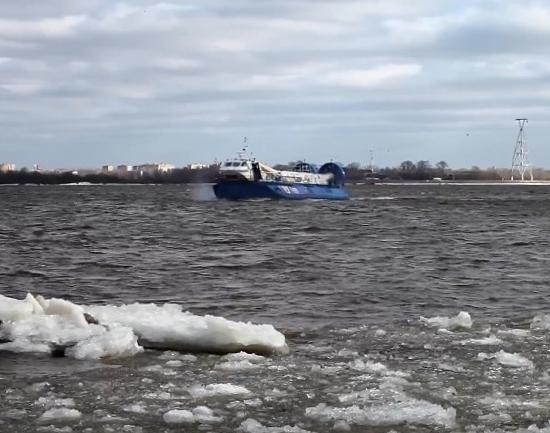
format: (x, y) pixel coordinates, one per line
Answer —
(38, 325)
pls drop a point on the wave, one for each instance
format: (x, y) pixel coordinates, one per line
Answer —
(60, 327)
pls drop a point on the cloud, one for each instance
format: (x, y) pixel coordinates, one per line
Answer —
(46, 27)
(371, 77)
(187, 78)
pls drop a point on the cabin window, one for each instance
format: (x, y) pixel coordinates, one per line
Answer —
(227, 164)
(243, 163)
(236, 164)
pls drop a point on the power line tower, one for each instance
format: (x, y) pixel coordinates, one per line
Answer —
(520, 163)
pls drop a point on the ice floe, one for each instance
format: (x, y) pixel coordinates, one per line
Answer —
(411, 411)
(461, 321)
(217, 389)
(541, 322)
(328, 370)
(491, 340)
(506, 359)
(513, 360)
(200, 414)
(341, 425)
(52, 401)
(93, 332)
(369, 367)
(377, 368)
(60, 415)
(239, 361)
(135, 408)
(168, 327)
(520, 333)
(242, 356)
(236, 365)
(495, 418)
(499, 401)
(250, 425)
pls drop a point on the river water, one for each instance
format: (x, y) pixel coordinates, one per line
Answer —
(367, 292)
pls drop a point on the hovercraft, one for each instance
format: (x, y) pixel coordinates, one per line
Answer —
(246, 178)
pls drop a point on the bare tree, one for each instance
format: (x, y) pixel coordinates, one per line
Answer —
(423, 165)
(442, 165)
(407, 166)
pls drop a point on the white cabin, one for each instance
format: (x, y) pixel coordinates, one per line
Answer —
(245, 169)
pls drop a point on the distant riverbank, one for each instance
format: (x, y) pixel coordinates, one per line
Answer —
(403, 174)
(173, 177)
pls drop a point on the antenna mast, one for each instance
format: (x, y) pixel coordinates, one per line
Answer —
(371, 162)
(520, 163)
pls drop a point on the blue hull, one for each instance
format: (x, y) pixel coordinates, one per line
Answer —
(235, 190)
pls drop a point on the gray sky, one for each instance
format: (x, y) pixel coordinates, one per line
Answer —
(91, 82)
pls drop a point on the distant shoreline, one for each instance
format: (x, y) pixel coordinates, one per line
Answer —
(356, 184)
(463, 182)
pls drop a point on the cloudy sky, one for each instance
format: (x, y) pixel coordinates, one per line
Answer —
(91, 82)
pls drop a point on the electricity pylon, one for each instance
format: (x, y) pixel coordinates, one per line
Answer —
(520, 163)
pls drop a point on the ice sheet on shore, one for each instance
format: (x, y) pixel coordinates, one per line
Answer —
(40, 325)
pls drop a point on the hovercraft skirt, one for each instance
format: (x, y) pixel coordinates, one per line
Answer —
(236, 190)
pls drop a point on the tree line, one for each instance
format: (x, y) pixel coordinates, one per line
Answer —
(178, 175)
(421, 170)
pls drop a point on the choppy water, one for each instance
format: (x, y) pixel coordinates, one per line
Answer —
(346, 282)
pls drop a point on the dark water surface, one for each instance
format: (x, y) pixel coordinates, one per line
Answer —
(346, 282)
